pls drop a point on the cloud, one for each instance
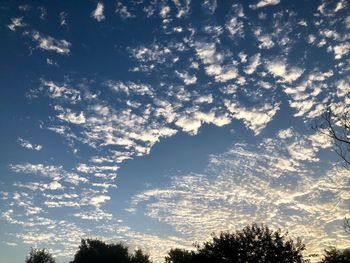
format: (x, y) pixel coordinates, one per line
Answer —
(56, 173)
(279, 69)
(193, 120)
(284, 134)
(264, 3)
(49, 43)
(131, 88)
(165, 10)
(64, 92)
(122, 10)
(254, 62)
(98, 12)
(207, 53)
(15, 23)
(183, 8)
(304, 95)
(240, 187)
(210, 6)
(254, 118)
(187, 78)
(100, 199)
(235, 27)
(70, 116)
(26, 144)
(340, 50)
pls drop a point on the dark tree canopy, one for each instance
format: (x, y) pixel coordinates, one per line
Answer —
(179, 256)
(96, 251)
(39, 256)
(336, 256)
(253, 244)
(139, 257)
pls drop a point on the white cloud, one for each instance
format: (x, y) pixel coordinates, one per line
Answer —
(192, 122)
(63, 18)
(64, 92)
(97, 215)
(264, 3)
(70, 116)
(265, 42)
(254, 62)
(207, 53)
(187, 78)
(235, 27)
(98, 200)
(244, 185)
(98, 12)
(50, 43)
(302, 151)
(56, 173)
(226, 73)
(15, 23)
(340, 50)
(183, 7)
(123, 11)
(210, 6)
(26, 144)
(131, 88)
(279, 69)
(164, 11)
(254, 118)
(284, 134)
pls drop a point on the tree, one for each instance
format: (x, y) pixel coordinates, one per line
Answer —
(96, 251)
(336, 125)
(179, 256)
(39, 256)
(253, 244)
(139, 257)
(334, 255)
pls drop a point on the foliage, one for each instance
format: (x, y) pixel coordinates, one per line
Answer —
(179, 256)
(39, 256)
(336, 256)
(252, 244)
(139, 257)
(96, 251)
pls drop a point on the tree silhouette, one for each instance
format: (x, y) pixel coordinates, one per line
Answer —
(336, 125)
(253, 244)
(39, 256)
(96, 251)
(179, 256)
(139, 257)
(336, 256)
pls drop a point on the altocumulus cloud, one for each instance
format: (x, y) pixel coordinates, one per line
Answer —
(246, 70)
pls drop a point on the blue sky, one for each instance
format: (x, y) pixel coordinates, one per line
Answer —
(159, 122)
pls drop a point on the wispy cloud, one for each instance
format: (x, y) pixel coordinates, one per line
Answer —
(49, 43)
(264, 3)
(244, 185)
(15, 23)
(26, 144)
(98, 12)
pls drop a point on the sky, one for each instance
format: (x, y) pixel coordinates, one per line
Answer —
(157, 123)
